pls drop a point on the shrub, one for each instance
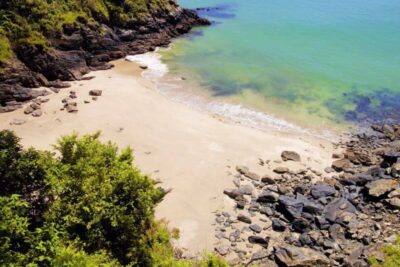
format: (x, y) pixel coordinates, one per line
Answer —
(392, 258)
(87, 207)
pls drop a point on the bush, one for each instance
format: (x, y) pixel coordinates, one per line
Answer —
(87, 207)
(392, 258)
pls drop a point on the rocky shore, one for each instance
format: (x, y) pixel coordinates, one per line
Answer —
(82, 47)
(302, 217)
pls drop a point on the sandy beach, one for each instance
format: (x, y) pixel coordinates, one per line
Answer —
(191, 152)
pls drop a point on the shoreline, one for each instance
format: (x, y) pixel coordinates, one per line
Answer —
(190, 151)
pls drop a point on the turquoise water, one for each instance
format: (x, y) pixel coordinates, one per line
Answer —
(335, 60)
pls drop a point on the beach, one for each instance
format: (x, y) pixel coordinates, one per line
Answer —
(191, 152)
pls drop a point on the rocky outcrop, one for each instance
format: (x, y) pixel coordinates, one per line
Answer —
(82, 47)
(301, 217)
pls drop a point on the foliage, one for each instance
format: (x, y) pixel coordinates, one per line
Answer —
(392, 258)
(87, 207)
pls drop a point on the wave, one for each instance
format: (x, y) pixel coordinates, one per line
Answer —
(173, 87)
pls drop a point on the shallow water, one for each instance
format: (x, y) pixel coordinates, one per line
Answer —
(307, 61)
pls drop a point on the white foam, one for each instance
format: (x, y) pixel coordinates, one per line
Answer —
(155, 67)
(172, 88)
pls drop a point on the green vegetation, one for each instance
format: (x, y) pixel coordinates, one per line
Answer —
(392, 258)
(87, 206)
(25, 22)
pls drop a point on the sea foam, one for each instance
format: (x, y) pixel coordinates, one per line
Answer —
(174, 88)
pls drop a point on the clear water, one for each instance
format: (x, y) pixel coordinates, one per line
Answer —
(336, 60)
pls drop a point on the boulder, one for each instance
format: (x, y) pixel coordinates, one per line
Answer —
(222, 250)
(292, 256)
(233, 193)
(266, 179)
(381, 187)
(28, 110)
(290, 155)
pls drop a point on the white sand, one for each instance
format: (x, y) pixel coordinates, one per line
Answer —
(190, 151)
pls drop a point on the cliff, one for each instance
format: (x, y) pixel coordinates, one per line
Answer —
(43, 42)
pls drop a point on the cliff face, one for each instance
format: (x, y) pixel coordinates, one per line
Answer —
(45, 41)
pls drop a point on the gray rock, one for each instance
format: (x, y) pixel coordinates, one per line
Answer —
(28, 110)
(290, 155)
(95, 92)
(337, 209)
(246, 189)
(268, 197)
(264, 242)
(37, 113)
(244, 218)
(247, 173)
(266, 179)
(255, 228)
(281, 170)
(278, 225)
(233, 193)
(320, 190)
(293, 207)
(341, 164)
(222, 250)
(292, 256)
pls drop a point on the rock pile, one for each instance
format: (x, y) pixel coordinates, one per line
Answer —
(338, 219)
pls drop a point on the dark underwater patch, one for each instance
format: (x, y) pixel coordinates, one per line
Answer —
(379, 106)
(223, 11)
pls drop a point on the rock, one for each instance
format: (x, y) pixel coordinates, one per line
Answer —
(329, 170)
(320, 190)
(222, 250)
(72, 107)
(290, 155)
(264, 242)
(28, 110)
(292, 207)
(395, 170)
(395, 202)
(281, 170)
(268, 197)
(255, 228)
(35, 106)
(341, 164)
(143, 67)
(247, 173)
(244, 218)
(395, 193)
(266, 179)
(381, 187)
(86, 102)
(17, 122)
(95, 92)
(233, 193)
(291, 256)
(37, 113)
(246, 189)
(278, 225)
(337, 209)
(94, 98)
